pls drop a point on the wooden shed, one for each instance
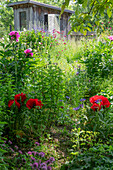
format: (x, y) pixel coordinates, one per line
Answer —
(35, 15)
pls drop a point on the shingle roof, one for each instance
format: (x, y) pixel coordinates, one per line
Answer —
(39, 4)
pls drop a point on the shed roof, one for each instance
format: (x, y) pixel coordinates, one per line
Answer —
(39, 4)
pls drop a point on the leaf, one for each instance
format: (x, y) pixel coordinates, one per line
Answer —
(109, 12)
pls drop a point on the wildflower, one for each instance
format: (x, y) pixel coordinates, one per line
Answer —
(35, 165)
(20, 151)
(67, 97)
(28, 52)
(49, 168)
(52, 159)
(34, 152)
(82, 100)
(76, 108)
(10, 142)
(43, 166)
(77, 73)
(81, 105)
(64, 43)
(108, 22)
(31, 103)
(16, 147)
(11, 149)
(42, 154)
(23, 160)
(64, 35)
(36, 143)
(14, 35)
(33, 159)
(29, 153)
(110, 28)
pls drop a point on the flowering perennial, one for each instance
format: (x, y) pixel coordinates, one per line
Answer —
(28, 52)
(14, 35)
(17, 98)
(99, 101)
(31, 103)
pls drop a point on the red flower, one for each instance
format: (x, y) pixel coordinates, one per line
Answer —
(17, 98)
(10, 103)
(33, 102)
(99, 101)
(22, 96)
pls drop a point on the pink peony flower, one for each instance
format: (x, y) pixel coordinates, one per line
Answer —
(110, 37)
(14, 35)
(28, 52)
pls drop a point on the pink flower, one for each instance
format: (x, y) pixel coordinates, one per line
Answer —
(108, 22)
(14, 35)
(110, 37)
(28, 52)
(102, 23)
(106, 27)
(110, 28)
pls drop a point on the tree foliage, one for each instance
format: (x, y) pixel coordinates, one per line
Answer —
(88, 12)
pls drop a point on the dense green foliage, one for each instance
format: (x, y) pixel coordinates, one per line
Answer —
(62, 80)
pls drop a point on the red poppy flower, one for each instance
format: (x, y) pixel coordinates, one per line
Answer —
(17, 98)
(10, 103)
(22, 96)
(33, 102)
(99, 101)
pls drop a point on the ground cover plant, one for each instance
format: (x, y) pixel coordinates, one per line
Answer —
(56, 102)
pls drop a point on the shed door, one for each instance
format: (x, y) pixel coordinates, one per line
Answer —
(53, 22)
(22, 20)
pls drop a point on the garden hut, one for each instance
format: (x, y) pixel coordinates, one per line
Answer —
(35, 15)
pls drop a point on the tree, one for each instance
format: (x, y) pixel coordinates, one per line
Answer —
(88, 12)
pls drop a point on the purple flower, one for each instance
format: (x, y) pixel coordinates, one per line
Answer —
(76, 108)
(35, 165)
(49, 168)
(33, 159)
(42, 154)
(51, 159)
(81, 105)
(43, 166)
(20, 151)
(10, 142)
(23, 160)
(16, 146)
(29, 153)
(82, 100)
(36, 143)
(60, 100)
(67, 97)
(34, 152)
(11, 149)
(77, 73)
